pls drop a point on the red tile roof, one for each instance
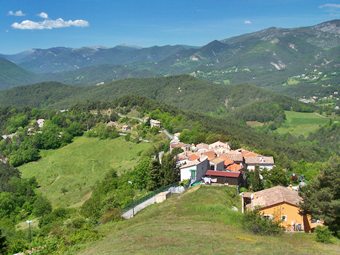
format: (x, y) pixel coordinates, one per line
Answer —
(222, 174)
(227, 160)
(193, 157)
(246, 153)
(210, 154)
(177, 145)
(235, 167)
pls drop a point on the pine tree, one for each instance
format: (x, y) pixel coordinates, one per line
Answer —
(255, 180)
(155, 175)
(321, 198)
(170, 172)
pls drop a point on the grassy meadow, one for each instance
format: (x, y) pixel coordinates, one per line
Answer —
(66, 175)
(199, 221)
(302, 123)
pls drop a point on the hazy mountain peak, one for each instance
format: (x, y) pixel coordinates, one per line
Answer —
(332, 26)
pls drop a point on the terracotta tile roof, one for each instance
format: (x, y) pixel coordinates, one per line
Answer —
(190, 163)
(217, 160)
(275, 195)
(259, 160)
(177, 145)
(222, 174)
(210, 154)
(235, 167)
(246, 153)
(235, 156)
(219, 144)
(227, 160)
(193, 157)
(202, 146)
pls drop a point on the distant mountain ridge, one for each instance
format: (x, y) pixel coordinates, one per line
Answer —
(60, 59)
(278, 58)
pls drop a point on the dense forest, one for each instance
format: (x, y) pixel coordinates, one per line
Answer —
(244, 102)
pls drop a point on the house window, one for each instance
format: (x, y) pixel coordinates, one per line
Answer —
(284, 218)
(268, 216)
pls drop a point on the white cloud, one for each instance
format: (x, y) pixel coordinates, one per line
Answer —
(18, 13)
(336, 6)
(49, 24)
(248, 22)
(43, 15)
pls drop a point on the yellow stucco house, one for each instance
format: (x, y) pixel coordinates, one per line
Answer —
(280, 204)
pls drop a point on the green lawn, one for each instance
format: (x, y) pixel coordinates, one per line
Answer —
(300, 123)
(77, 166)
(198, 222)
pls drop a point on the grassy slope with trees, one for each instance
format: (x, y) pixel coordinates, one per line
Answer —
(298, 123)
(197, 222)
(114, 192)
(66, 176)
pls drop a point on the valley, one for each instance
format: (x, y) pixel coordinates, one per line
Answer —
(229, 147)
(283, 60)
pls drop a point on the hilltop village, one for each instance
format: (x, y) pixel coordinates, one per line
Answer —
(217, 162)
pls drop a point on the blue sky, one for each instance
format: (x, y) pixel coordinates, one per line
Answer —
(26, 24)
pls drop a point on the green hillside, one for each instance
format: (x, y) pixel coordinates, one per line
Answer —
(184, 92)
(12, 75)
(197, 222)
(66, 176)
(298, 123)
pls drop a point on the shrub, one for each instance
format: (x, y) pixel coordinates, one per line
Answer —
(253, 221)
(3, 243)
(184, 183)
(323, 234)
(243, 189)
(41, 206)
(113, 214)
(76, 223)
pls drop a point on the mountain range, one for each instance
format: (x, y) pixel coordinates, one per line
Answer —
(282, 59)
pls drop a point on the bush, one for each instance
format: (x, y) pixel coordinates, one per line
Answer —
(253, 221)
(76, 223)
(3, 243)
(323, 234)
(41, 206)
(184, 183)
(113, 214)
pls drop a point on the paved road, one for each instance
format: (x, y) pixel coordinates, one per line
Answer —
(166, 132)
(134, 118)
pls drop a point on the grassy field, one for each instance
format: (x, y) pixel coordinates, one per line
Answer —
(199, 221)
(300, 123)
(66, 175)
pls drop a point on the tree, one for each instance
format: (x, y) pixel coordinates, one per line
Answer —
(41, 206)
(321, 198)
(170, 172)
(274, 177)
(7, 204)
(141, 173)
(50, 137)
(254, 180)
(155, 175)
(3, 243)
